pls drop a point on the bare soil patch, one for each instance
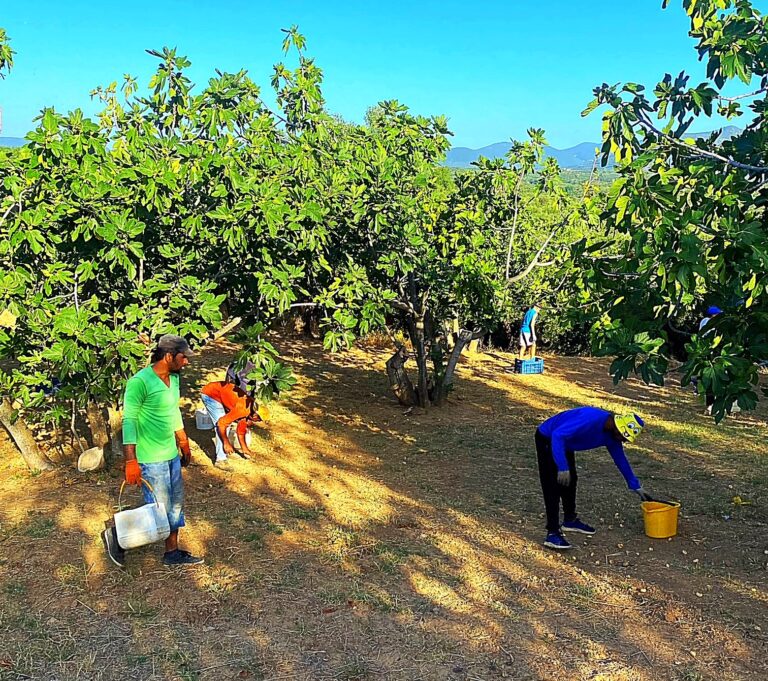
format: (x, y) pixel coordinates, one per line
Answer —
(366, 543)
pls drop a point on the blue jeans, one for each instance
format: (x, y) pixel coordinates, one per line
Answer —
(165, 478)
(215, 411)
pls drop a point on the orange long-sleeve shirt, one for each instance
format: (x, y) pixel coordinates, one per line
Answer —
(237, 404)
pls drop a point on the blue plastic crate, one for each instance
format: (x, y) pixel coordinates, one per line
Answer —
(529, 366)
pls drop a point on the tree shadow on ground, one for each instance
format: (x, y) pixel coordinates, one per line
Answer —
(332, 412)
(364, 543)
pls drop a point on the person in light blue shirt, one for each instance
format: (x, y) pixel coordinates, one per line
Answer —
(557, 440)
(528, 332)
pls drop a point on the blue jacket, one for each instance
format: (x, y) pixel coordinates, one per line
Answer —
(584, 428)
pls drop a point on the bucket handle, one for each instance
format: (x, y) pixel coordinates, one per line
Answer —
(662, 501)
(122, 487)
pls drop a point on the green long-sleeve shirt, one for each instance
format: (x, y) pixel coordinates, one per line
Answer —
(151, 416)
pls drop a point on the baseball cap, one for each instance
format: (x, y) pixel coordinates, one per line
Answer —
(174, 345)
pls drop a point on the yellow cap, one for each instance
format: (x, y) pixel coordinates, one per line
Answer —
(263, 412)
(629, 425)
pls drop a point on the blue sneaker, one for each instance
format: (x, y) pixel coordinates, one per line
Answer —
(557, 541)
(578, 526)
(179, 557)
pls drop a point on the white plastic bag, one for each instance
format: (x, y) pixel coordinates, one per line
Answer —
(91, 460)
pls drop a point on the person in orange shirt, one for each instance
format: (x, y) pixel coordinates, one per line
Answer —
(226, 403)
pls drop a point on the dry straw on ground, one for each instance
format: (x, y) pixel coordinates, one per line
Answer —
(363, 543)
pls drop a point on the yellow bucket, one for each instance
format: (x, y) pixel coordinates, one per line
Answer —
(660, 519)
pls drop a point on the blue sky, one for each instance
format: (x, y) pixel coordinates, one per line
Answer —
(494, 68)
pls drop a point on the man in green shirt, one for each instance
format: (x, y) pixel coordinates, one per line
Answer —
(153, 436)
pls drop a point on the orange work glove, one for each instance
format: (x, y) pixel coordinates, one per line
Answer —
(132, 472)
(185, 454)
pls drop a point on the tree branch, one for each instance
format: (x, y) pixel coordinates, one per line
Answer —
(534, 262)
(10, 208)
(592, 174)
(402, 306)
(227, 328)
(476, 334)
(514, 222)
(646, 123)
(744, 96)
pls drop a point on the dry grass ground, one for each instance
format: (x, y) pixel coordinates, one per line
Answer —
(364, 543)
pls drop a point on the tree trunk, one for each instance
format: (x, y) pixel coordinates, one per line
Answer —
(311, 323)
(464, 337)
(25, 441)
(416, 327)
(115, 425)
(416, 331)
(399, 380)
(451, 328)
(96, 423)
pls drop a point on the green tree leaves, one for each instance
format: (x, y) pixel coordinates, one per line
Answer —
(6, 54)
(689, 217)
(177, 205)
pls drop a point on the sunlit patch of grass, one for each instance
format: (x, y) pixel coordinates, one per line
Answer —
(221, 581)
(344, 544)
(435, 589)
(71, 575)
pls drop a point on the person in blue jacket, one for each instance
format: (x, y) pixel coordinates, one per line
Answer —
(557, 440)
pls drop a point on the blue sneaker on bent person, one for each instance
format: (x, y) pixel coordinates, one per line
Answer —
(557, 541)
(576, 525)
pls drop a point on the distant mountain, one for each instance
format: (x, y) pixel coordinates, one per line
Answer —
(12, 142)
(725, 133)
(579, 157)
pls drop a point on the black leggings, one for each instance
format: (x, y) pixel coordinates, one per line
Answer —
(554, 491)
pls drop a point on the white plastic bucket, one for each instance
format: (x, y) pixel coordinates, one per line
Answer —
(202, 420)
(232, 435)
(141, 526)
